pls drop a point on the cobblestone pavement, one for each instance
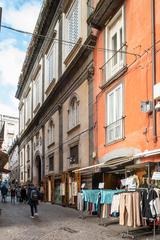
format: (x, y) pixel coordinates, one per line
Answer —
(54, 223)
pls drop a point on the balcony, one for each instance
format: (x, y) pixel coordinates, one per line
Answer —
(114, 131)
(114, 66)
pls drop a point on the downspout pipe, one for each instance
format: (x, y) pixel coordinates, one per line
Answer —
(153, 67)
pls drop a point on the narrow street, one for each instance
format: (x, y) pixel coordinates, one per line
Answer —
(54, 223)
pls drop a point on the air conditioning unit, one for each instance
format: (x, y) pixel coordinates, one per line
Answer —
(146, 106)
(157, 91)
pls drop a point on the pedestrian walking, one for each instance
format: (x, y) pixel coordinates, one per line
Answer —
(18, 193)
(23, 194)
(33, 196)
(4, 191)
(13, 195)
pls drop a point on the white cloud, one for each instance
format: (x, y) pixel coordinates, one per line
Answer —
(23, 18)
(11, 61)
(8, 110)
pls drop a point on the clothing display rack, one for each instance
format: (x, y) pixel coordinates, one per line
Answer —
(98, 202)
(150, 210)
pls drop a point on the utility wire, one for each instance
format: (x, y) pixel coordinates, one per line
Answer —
(68, 42)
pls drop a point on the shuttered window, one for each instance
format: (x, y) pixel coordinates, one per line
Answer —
(73, 25)
(73, 113)
(52, 64)
(51, 163)
(114, 130)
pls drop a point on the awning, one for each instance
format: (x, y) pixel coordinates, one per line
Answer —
(112, 164)
(113, 159)
(3, 159)
(147, 153)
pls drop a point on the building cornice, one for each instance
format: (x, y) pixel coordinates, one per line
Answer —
(43, 23)
(103, 12)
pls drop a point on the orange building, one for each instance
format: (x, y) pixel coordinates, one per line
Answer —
(127, 68)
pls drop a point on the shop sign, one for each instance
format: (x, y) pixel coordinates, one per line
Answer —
(156, 176)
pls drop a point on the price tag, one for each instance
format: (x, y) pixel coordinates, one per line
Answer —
(101, 185)
(83, 185)
(156, 176)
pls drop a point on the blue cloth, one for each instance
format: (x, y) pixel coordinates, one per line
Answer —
(91, 195)
(107, 195)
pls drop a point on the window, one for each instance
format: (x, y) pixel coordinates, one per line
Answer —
(51, 132)
(114, 130)
(22, 119)
(115, 41)
(90, 7)
(28, 173)
(73, 113)
(36, 91)
(28, 153)
(28, 106)
(21, 158)
(51, 163)
(52, 64)
(11, 128)
(73, 24)
(21, 176)
(74, 155)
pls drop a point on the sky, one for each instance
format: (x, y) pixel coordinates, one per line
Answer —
(19, 14)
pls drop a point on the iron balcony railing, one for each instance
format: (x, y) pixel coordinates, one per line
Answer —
(114, 131)
(114, 64)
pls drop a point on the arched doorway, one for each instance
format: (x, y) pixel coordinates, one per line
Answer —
(38, 170)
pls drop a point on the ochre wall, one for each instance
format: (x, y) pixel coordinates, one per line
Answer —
(137, 81)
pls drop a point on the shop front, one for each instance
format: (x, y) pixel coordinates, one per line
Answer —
(57, 195)
(69, 188)
(131, 193)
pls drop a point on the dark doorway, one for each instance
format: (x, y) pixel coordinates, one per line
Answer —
(97, 178)
(39, 175)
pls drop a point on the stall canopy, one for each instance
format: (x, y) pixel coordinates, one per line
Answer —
(113, 160)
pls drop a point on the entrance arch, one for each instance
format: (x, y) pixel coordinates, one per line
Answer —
(38, 164)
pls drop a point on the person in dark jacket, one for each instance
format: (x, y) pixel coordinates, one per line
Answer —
(23, 194)
(13, 195)
(4, 191)
(33, 195)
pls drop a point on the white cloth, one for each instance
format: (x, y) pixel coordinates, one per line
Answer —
(80, 201)
(115, 203)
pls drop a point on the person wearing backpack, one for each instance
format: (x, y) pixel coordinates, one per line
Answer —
(33, 196)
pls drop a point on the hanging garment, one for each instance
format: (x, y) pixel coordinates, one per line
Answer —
(156, 203)
(115, 204)
(126, 209)
(136, 210)
(80, 202)
(148, 199)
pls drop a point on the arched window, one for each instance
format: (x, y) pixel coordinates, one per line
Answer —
(51, 132)
(73, 112)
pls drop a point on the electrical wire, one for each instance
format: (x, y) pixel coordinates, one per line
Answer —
(67, 42)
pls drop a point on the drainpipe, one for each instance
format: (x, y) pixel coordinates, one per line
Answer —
(153, 67)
